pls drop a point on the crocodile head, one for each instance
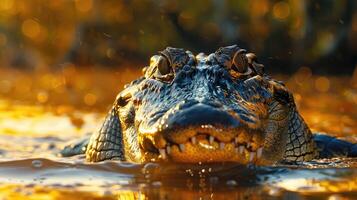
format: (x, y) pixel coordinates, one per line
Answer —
(204, 108)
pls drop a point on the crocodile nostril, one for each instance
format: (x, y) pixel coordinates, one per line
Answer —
(197, 113)
(188, 103)
(187, 68)
(212, 103)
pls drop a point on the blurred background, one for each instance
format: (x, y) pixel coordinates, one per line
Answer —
(321, 34)
(83, 51)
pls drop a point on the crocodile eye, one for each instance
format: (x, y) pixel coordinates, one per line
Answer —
(160, 69)
(160, 64)
(163, 65)
(240, 61)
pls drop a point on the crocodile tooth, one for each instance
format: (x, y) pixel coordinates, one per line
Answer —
(221, 145)
(211, 139)
(251, 156)
(259, 152)
(168, 149)
(193, 140)
(241, 149)
(162, 153)
(182, 147)
(248, 145)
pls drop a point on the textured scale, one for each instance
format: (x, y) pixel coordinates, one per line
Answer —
(106, 144)
(300, 145)
(219, 107)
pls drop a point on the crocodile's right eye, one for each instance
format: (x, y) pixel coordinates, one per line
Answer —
(161, 68)
(240, 65)
(163, 65)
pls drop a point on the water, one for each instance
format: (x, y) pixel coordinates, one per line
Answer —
(152, 180)
(33, 131)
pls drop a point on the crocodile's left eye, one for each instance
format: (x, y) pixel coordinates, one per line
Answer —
(240, 61)
(240, 65)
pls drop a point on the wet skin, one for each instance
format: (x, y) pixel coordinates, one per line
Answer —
(220, 107)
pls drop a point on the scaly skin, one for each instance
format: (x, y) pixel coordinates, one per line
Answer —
(220, 107)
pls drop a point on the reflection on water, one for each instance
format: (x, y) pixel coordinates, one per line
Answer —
(127, 180)
(33, 127)
(110, 179)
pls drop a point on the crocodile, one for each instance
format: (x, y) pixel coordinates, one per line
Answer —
(220, 107)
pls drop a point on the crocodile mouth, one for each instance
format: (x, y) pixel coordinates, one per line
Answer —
(197, 132)
(206, 145)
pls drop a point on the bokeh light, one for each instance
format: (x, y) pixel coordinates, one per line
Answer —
(90, 99)
(42, 97)
(83, 5)
(322, 84)
(31, 28)
(281, 10)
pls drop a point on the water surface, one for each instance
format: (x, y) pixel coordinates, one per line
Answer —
(42, 112)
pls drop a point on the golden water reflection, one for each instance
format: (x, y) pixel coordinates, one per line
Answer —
(41, 111)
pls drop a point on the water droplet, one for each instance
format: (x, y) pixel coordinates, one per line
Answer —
(232, 183)
(156, 183)
(36, 163)
(149, 168)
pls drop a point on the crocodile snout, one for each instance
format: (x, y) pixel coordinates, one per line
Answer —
(204, 131)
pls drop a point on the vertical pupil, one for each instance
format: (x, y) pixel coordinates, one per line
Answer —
(240, 62)
(163, 66)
